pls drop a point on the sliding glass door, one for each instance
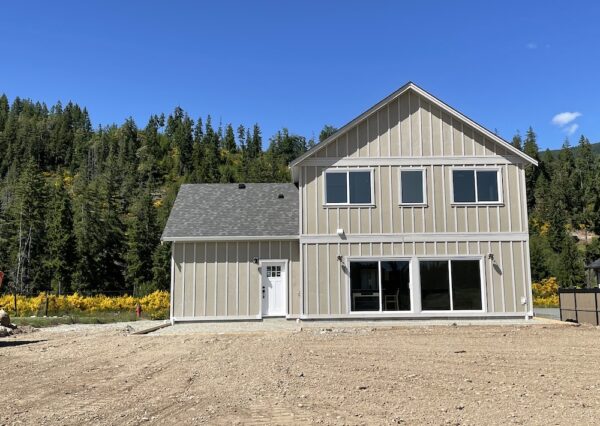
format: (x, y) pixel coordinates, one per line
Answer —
(450, 285)
(380, 285)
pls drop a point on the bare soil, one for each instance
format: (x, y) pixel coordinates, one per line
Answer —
(534, 375)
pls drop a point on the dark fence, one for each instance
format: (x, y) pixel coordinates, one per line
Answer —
(579, 305)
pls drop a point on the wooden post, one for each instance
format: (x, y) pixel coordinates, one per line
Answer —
(46, 314)
(15, 298)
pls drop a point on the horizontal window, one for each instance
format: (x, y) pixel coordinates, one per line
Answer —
(412, 187)
(476, 186)
(380, 285)
(450, 285)
(348, 187)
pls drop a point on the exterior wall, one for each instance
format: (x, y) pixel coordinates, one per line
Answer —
(392, 139)
(218, 279)
(327, 281)
(411, 132)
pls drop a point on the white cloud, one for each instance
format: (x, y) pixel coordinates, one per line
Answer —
(531, 45)
(569, 130)
(565, 118)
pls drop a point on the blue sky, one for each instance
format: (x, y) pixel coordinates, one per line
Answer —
(300, 65)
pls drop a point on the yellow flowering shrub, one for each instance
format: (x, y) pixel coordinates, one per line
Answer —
(545, 293)
(155, 305)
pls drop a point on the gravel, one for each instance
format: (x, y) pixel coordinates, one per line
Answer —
(540, 374)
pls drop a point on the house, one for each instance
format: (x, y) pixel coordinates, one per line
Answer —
(411, 210)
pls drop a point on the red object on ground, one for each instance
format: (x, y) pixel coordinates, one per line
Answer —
(138, 310)
(1, 278)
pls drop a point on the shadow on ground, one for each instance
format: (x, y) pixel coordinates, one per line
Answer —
(9, 343)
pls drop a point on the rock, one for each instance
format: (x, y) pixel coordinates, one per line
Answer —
(4, 318)
(5, 331)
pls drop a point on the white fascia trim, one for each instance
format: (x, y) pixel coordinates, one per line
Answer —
(416, 238)
(420, 316)
(217, 318)
(234, 238)
(408, 161)
(430, 98)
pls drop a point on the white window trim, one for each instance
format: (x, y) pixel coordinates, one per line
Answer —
(480, 259)
(348, 203)
(498, 170)
(379, 259)
(423, 171)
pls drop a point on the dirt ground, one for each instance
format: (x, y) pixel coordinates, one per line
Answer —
(512, 374)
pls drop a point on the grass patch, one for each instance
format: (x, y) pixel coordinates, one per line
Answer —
(79, 318)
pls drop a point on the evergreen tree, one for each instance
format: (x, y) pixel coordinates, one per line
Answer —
(570, 271)
(61, 242)
(229, 140)
(27, 216)
(517, 142)
(530, 147)
(327, 131)
(142, 238)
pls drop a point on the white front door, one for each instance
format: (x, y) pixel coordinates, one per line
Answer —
(274, 284)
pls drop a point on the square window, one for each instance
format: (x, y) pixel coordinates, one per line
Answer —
(336, 188)
(412, 187)
(360, 187)
(487, 185)
(464, 186)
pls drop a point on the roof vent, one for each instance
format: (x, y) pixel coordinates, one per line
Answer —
(241, 186)
(280, 196)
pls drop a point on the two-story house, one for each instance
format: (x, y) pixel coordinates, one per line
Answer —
(410, 210)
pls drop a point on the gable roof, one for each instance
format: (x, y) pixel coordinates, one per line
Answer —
(594, 265)
(224, 211)
(440, 104)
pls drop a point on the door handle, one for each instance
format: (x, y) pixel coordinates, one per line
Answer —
(263, 291)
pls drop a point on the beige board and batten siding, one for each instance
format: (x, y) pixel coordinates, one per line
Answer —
(219, 279)
(421, 135)
(411, 132)
(326, 279)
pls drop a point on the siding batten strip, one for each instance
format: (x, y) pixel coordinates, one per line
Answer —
(248, 278)
(216, 276)
(205, 281)
(339, 277)
(444, 205)
(237, 278)
(183, 283)
(194, 283)
(226, 278)
(328, 281)
(514, 284)
(491, 272)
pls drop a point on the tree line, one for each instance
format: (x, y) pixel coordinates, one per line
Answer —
(563, 201)
(82, 209)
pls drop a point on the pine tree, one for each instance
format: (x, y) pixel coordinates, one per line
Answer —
(327, 131)
(61, 241)
(530, 148)
(229, 140)
(517, 142)
(142, 239)
(570, 270)
(28, 240)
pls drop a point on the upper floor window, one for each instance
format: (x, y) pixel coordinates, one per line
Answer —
(346, 187)
(412, 187)
(476, 186)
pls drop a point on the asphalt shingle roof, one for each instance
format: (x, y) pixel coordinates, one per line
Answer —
(594, 265)
(224, 210)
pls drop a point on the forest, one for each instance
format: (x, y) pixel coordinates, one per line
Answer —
(82, 209)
